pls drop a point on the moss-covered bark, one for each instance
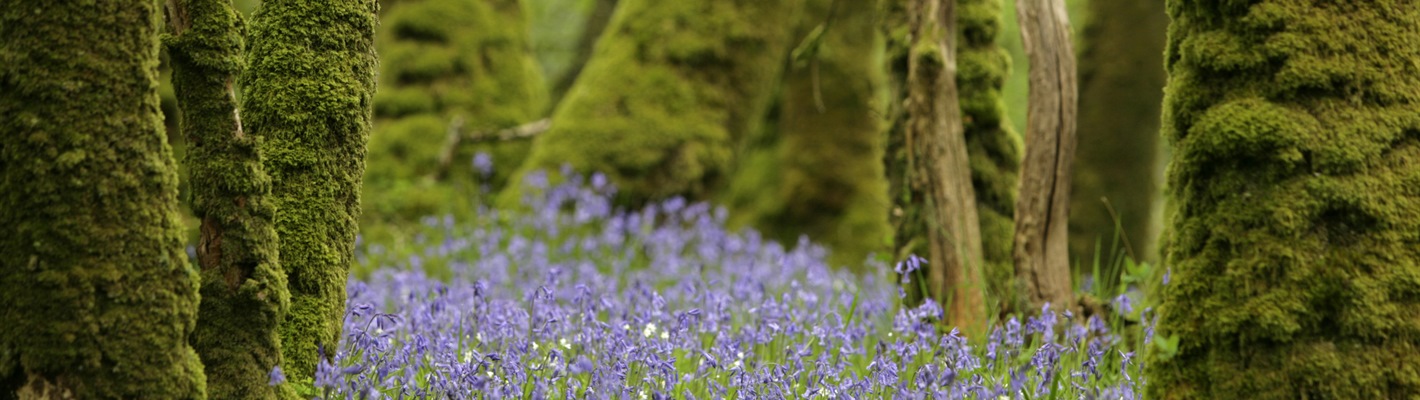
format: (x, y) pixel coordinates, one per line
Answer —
(672, 87)
(307, 93)
(244, 295)
(1121, 89)
(827, 180)
(1295, 183)
(448, 64)
(99, 298)
(994, 150)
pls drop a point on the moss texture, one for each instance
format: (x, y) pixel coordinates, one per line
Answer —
(99, 297)
(994, 149)
(1121, 89)
(671, 88)
(447, 62)
(828, 181)
(244, 295)
(1295, 183)
(308, 91)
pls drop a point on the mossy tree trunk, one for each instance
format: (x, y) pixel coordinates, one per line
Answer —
(829, 183)
(1295, 188)
(307, 93)
(1041, 245)
(592, 29)
(1121, 89)
(99, 297)
(244, 295)
(452, 68)
(671, 89)
(935, 203)
(993, 148)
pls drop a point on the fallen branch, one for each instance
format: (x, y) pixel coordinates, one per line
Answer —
(456, 137)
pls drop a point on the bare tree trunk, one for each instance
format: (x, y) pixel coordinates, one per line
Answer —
(937, 162)
(1043, 206)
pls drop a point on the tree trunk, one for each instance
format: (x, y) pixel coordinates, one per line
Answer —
(1043, 208)
(244, 295)
(1121, 89)
(307, 94)
(932, 174)
(99, 297)
(1294, 246)
(672, 88)
(993, 149)
(592, 29)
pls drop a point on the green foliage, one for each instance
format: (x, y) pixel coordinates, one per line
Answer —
(827, 175)
(448, 64)
(308, 94)
(99, 299)
(1121, 82)
(244, 294)
(1296, 201)
(670, 90)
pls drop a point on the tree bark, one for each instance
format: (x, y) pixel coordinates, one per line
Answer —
(307, 93)
(244, 295)
(936, 195)
(1042, 211)
(99, 297)
(1295, 231)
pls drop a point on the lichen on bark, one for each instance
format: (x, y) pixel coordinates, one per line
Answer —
(99, 297)
(670, 90)
(307, 93)
(1295, 196)
(244, 295)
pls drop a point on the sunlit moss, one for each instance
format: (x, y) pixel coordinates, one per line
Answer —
(670, 90)
(1296, 201)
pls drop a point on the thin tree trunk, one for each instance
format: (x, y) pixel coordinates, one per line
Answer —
(99, 299)
(244, 296)
(1043, 207)
(308, 94)
(938, 166)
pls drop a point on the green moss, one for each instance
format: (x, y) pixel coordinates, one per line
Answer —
(1296, 201)
(99, 298)
(670, 90)
(822, 176)
(1121, 89)
(446, 62)
(244, 295)
(308, 92)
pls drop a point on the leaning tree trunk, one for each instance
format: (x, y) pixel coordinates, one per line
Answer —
(1295, 187)
(99, 297)
(307, 93)
(1121, 89)
(671, 88)
(244, 295)
(935, 204)
(1043, 208)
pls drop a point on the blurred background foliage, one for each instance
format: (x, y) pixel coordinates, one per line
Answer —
(474, 67)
